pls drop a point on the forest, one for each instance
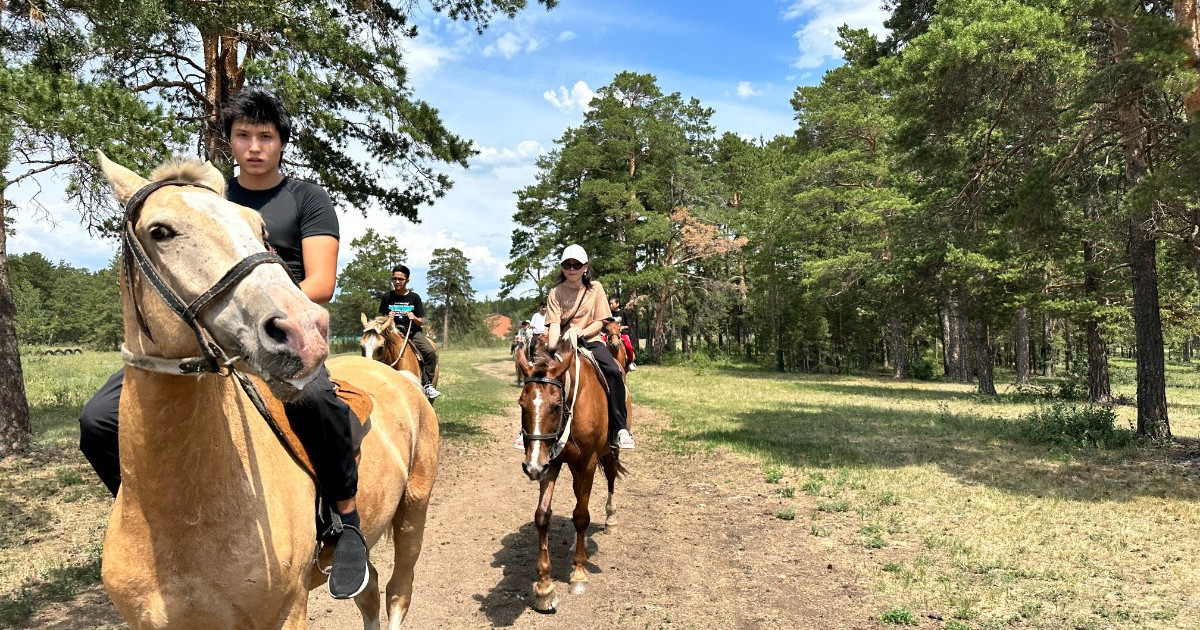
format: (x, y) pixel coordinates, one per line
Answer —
(990, 185)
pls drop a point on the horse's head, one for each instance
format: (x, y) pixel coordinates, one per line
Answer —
(544, 407)
(612, 334)
(375, 335)
(209, 258)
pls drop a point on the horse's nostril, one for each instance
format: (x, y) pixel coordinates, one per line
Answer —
(274, 331)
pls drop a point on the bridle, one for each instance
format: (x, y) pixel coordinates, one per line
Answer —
(213, 358)
(559, 437)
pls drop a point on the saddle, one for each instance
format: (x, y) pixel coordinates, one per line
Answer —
(360, 405)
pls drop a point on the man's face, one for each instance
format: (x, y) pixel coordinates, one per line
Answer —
(257, 148)
(542, 309)
(399, 281)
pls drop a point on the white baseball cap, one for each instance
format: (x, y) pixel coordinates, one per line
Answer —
(574, 252)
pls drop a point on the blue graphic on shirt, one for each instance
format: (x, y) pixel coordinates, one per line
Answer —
(396, 309)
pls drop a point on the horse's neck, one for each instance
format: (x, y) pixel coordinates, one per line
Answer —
(192, 441)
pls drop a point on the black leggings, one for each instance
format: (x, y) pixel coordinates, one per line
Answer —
(616, 387)
(319, 417)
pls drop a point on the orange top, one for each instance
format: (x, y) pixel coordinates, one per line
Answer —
(593, 306)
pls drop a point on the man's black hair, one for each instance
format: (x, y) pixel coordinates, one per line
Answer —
(258, 107)
(402, 269)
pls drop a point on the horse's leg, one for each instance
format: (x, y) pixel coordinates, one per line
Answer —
(297, 618)
(368, 600)
(408, 531)
(544, 599)
(582, 480)
(611, 465)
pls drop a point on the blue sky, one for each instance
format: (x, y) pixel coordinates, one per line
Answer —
(517, 88)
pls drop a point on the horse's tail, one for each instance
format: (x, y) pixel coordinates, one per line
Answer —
(616, 462)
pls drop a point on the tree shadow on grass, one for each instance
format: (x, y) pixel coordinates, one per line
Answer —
(61, 584)
(517, 555)
(975, 450)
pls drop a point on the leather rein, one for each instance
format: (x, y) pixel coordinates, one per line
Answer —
(213, 358)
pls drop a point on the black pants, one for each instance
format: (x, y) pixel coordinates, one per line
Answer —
(616, 387)
(429, 356)
(320, 418)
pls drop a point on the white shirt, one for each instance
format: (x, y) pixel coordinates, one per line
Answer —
(537, 323)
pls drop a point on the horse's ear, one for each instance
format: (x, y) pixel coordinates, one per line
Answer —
(365, 321)
(124, 181)
(213, 178)
(568, 357)
(523, 365)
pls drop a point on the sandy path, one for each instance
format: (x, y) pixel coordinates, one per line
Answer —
(698, 546)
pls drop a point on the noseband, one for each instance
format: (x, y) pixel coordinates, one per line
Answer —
(214, 358)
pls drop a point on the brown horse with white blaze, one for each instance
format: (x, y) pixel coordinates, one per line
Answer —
(214, 523)
(564, 420)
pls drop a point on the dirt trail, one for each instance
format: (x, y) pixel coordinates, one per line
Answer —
(698, 547)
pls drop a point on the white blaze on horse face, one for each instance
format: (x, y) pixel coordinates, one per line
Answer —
(370, 344)
(536, 412)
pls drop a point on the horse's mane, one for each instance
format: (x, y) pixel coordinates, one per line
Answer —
(184, 170)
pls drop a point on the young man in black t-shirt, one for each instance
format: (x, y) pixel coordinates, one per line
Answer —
(302, 227)
(409, 313)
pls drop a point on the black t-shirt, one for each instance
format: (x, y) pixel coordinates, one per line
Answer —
(397, 305)
(294, 210)
(621, 316)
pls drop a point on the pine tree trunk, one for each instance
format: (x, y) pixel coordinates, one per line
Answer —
(1099, 384)
(1047, 349)
(983, 357)
(1021, 345)
(15, 431)
(947, 340)
(1152, 417)
(899, 358)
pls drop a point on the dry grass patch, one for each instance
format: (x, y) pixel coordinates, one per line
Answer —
(932, 490)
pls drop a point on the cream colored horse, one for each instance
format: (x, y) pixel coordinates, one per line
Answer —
(382, 340)
(213, 526)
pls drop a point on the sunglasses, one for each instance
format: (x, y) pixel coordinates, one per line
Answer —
(399, 279)
(573, 265)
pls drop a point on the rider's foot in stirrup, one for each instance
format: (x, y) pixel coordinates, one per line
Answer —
(519, 443)
(430, 392)
(624, 440)
(349, 574)
(632, 367)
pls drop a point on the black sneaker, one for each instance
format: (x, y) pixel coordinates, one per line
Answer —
(349, 574)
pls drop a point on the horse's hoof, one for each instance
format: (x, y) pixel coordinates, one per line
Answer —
(545, 602)
(577, 588)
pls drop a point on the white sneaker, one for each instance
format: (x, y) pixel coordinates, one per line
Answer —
(624, 440)
(430, 392)
(519, 443)
(632, 367)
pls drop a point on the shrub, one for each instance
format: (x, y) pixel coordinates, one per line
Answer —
(1074, 425)
(921, 369)
(899, 617)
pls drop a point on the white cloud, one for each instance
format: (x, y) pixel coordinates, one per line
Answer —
(566, 36)
(524, 153)
(510, 44)
(817, 37)
(423, 56)
(577, 99)
(746, 89)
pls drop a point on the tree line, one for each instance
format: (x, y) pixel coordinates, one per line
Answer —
(988, 183)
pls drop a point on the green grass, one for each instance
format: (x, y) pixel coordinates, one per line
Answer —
(932, 481)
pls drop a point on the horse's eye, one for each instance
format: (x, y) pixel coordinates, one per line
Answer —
(160, 233)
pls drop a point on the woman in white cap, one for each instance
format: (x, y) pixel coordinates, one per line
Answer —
(580, 302)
